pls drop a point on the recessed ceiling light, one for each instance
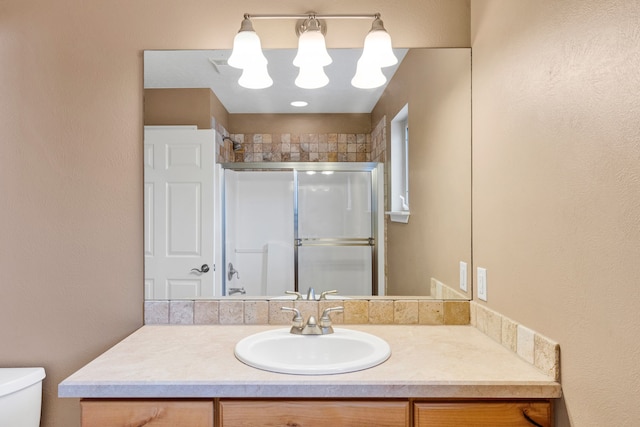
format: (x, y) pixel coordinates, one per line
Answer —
(299, 103)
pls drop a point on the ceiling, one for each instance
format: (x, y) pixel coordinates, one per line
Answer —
(208, 68)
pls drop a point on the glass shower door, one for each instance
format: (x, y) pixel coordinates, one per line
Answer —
(334, 233)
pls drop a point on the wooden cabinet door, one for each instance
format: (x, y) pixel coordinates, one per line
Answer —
(313, 413)
(483, 414)
(147, 413)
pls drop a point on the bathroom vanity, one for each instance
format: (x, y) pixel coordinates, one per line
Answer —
(188, 375)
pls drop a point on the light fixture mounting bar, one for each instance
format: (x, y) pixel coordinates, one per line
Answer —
(310, 15)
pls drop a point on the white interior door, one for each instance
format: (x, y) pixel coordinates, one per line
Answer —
(179, 212)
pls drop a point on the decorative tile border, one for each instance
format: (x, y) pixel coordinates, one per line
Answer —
(303, 147)
(531, 346)
(379, 310)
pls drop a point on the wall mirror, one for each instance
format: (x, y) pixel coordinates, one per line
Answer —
(277, 164)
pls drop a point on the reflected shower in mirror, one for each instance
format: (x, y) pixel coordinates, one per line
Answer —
(203, 132)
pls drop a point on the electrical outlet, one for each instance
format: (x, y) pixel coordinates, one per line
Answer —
(463, 276)
(482, 283)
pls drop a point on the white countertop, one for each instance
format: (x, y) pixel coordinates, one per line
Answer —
(172, 361)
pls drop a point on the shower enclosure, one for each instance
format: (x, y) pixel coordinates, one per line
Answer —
(295, 226)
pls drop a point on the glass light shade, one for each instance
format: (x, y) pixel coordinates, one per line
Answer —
(311, 77)
(247, 50)
(312, 50)
(255, 77)
(368, 75)
(377, 45)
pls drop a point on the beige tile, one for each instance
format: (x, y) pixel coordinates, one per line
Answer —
(546, 356)
(205, 312)
(456, 312)
(473, 309)
(156, 312)
(256, 312)
(181, 312)
(509, 334)
(356, 311)
(481, 318)
(307, 308)
(435, 288)
(231, 312)
(381, 312)
(431, 312)
(276, 315)
(405, 312)
(494, 325)
(525, 343)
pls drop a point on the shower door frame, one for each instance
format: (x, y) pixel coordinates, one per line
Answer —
(377, 221)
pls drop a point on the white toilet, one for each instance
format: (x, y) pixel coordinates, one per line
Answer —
(20, 396)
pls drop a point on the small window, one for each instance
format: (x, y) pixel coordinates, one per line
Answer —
(400, 166)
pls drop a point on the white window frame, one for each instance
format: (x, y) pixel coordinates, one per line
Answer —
(400, 166)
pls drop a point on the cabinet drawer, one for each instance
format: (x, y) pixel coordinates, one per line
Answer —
(148, 413)
(483, 414)
(314, 413)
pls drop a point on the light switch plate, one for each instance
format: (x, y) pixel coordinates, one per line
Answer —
(482, 283)
(463, 276)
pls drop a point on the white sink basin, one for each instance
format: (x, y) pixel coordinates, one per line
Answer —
(343, 351)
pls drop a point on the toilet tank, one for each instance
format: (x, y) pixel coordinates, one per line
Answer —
(20, 396)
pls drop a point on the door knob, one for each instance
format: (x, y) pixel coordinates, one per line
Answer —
(202, 269)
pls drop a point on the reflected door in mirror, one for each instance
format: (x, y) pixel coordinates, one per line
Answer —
(179, 197)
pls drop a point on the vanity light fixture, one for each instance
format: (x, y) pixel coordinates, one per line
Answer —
(312, 55)
(247, 55)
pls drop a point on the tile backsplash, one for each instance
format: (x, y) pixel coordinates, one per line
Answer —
(378, 310)
(531, 346)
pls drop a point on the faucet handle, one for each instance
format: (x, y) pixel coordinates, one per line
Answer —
(298, 320)
(324, 294)
(325, 320)
(297, 294)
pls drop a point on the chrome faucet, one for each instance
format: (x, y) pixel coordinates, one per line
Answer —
(311, 294)
(311, 326)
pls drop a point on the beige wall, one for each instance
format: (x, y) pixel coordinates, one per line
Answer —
(556, 199)
(71, 264)
(436, 84)
(186, 106)
(300, 123)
